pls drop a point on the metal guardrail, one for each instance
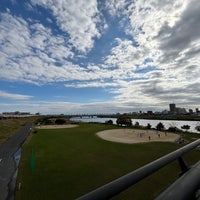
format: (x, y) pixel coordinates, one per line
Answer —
(185, 187)
(115, 187)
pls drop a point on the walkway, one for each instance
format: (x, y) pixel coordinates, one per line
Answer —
(7, 162)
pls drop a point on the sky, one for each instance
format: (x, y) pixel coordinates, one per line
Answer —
(99, 56)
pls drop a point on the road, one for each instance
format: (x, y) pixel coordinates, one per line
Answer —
(7, 161)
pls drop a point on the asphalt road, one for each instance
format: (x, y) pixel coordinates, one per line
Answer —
(7, 161)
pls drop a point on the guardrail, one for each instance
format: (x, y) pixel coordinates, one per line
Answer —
(190, 177)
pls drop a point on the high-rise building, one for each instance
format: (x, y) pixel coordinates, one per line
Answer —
(172, 107)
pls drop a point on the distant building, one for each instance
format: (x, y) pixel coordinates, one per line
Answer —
(16, 113)
(180, 111)
(172, 107)
(175, 110)
(150, 112)
(165, 112)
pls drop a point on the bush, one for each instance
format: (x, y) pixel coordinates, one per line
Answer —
(60, 121)
(109, 122)
(197, 128)
(173, 129)
(137, 124)
(47, 122)
(186, 127)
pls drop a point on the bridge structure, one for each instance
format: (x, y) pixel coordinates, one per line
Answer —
(186, 187)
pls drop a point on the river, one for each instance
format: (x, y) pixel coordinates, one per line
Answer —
(144, 122)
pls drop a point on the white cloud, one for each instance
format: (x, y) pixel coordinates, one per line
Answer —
(30, 54)
(95, 83)
(168, 33)
(125, 55)
(57, 107)
(13, 96)
(116, 7)
(165, 36)
(78, 18)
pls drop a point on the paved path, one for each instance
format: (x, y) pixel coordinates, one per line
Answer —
(7, 162)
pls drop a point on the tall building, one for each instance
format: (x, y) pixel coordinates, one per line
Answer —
(172, 107)
(175, 110)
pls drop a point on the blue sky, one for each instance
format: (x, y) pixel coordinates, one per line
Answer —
(66, 56)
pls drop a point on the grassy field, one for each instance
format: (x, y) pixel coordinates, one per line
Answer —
(9, 126)
(72, 162)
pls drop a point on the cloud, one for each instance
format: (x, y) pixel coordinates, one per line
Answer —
(12, 96)
(154, 60)
(167, 33)
(57, 107)
(93, 84)
(116, 7)
(183, 36)
(31, 53)
(79, 19)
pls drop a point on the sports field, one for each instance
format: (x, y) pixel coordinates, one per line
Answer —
(70, 162)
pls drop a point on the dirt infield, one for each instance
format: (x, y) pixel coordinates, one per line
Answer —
(131, 136)
(57, 126)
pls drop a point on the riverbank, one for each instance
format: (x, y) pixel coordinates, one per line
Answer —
(143, 122)
(158, 117)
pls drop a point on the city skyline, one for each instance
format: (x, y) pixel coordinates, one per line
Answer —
(173, 110)
(99, 56)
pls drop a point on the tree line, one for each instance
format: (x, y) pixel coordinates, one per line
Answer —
(127, 121)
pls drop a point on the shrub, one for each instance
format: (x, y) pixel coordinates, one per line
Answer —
(109, 122)
(137, 124)
(47, 122)
(173, 129)
(186, 127)
(60, 121)
(197, 128)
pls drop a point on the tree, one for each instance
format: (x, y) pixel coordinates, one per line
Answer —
(109, 122)
(197, 128)
(148, 126)
(172, 129)
(160, 126)
(47, 121)
(137, 124)
(124, 120)
(60, 121)
(186, 127)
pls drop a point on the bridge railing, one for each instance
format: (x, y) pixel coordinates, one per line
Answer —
(189, 174)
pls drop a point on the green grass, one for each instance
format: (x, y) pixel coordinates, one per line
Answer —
(72, 162)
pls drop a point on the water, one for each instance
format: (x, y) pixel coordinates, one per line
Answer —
(144, 122)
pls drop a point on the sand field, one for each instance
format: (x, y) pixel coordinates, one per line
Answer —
(131, 136)
(57, 126)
